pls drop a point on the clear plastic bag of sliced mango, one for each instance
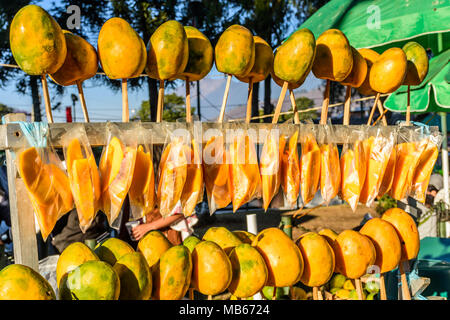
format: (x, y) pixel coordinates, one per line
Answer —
(216, 169)
(424, 168)
(47, 185)
(353, 167)
(270, 164)
(310, 162)
(116, 168)
(142, 193)
(290, 168)
(330, 170)
(378, 147)
(180, 174)
(83, 173)
(409, 148)
(245, 177)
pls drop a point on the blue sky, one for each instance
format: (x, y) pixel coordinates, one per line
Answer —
(105, 104)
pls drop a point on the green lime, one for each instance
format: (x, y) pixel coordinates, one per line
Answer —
(337, 281)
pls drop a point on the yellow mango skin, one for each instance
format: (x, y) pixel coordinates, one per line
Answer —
(244, 236)
(168, 51)
(172, 275)
(245, 178)
(417, 65)
(309, 168)
(334, 59)
(20, 282)
(386, 242)
(216, 173)
(263, 62)
(270, 167)
(406, 230)
(318, 257)
(423, 172)
(120, 50)
(249, 271)
(388, 71)
(278, 81)
(201, 55)
(294, 58)
(329, 235)
(226, 239)
(359, 70)
(235, 51)
(290, 169)
(212, 271)
(152, 246)
(283, 258)
(353, 252)
(330, 172)
(370, 56)
(81, 61)
(37, 41)
(72, 256)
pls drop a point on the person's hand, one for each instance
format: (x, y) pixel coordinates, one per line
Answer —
(140, 230)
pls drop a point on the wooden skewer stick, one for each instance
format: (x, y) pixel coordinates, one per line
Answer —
(280, 102)
(209, 297)
(359, 289)
(383, 295)
(381, 116)
(408, 108)
(188, 102)
(249, 101)
(315, 293)
(348, 98)
(225, 98)
(377, 97)
(274, 294)
(125, 108)
(159, 110)
(326, 102)
(294, 106)
(191, 293)
(406, 294)
(382, 112)
(48, 106)
(82, 101)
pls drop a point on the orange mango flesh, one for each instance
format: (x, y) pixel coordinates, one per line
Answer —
(142, 188)
(245, 177)
(172, 176)
(408, 155)
(377, 158)
(193, 188)
(290, 169)
(85, 183)
(216, 174)
(330, 172)
(309, 168)
(353, 173)
(388, 176)
(48, 187)
(110, 162)
(423, 172)
(270, 167)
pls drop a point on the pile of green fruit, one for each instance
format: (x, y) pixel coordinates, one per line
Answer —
(343, 288)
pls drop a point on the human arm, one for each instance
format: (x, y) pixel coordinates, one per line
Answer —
(140, 230)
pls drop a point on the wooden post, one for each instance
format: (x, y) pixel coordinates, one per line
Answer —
(383, 295)
(348, 97)
(125, 108)
(408, 107)
(280, 102)
(21, 211)
(382, 113)
(372, 111)
(224, 100)
(160, 101)
(82, 100)
(315, 293)
(359, 289)
(326, 101)
(48, 106)
(249, 101)
(188, 102)
(294, 107)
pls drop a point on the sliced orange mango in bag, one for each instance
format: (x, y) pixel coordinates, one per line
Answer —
(46, 215)
(110, 162)
(353, 173)
(216, 173)
(388, 176)
(73, 153)
(245, 177)
(193, 188)
(270, 167)
(83, 191)
(36, 179)
(141, 177)
(172, 177)
(309, 168)
(408, 155)
(61, 184)
(330, 172)
(423, 172)
(290, 169)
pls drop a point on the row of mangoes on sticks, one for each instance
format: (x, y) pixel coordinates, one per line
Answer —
(41, 47)
(233, 264)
